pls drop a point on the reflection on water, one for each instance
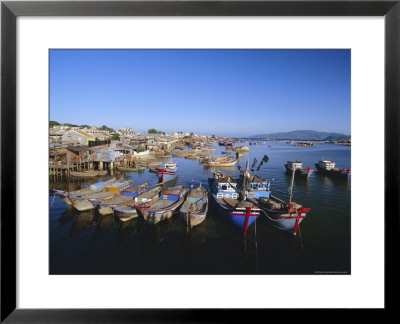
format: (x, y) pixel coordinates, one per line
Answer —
(126, 231)
(83, 221)
(90, 243)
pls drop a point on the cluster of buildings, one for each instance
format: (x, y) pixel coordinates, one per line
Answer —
(72, 136)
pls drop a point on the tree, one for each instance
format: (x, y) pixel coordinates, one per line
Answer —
(115, 137)
(152, 131)
(140, 148)
(104, 127)
(191, 134)
(52, 123)
(213, 136)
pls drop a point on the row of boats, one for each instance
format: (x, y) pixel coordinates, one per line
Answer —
(325, 167)
(240, 200)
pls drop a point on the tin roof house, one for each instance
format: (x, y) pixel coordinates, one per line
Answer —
(77, 137)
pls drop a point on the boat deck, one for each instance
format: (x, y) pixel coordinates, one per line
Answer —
(161, 204)
(196, 207)
(99, 195)
(135, 189)
(119, 199)
(151, 193)
(173, 190)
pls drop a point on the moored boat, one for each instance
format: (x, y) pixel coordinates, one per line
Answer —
(242, 148)
(220, 161)
(298, 167)
(96, 187)
(88, 174)
(168, 172)
(328, 168)
(278, 213)
(129, 210)
(195, 207)
(241, 212)
(166, 204)
(91, 200)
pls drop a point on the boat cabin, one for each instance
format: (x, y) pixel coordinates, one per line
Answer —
(170, 165)
(293, 165)
(225, 186)
(326, 165)
(118, 187)
(258, 187)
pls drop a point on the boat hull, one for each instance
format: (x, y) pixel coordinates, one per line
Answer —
(81, 204)
(284, 221)
(237, 216)
(345, 173)
(154, 216)
(166, 176)
(303, 172)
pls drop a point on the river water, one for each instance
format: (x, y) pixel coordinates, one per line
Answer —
(89, 243)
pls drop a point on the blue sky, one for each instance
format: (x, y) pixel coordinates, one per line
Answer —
(221, 92)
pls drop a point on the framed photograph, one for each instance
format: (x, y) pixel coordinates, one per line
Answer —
(194, 153)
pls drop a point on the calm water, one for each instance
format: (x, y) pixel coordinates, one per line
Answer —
(88, 243)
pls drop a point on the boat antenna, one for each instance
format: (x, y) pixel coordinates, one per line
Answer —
(291, 185)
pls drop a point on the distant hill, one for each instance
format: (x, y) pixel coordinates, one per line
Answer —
(305, 135)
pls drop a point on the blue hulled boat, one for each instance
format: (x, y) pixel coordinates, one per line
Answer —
(241, 212)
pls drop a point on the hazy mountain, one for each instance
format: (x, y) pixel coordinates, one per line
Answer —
(305, 135)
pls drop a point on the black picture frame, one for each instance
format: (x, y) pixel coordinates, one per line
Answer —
(10, 10)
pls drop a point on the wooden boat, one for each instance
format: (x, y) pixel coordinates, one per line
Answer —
(239, 211)
(128, 211)
(286, 216)
(126, 169)
(328, 168)
(88, 174)
(305, 144)
(90, 201)
(298, 167)
(208, 149)
(223, 161)
(168, 172)
(107, 206)
(242, 148)
(96, 187)
(164, 207)
(195, 208)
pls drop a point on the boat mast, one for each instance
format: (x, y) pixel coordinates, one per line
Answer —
(291, 185)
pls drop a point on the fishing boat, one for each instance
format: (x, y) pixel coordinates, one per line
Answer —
(229, 146)
(118, 188)
(286, 216)
(241, 212)
(328, 168)
(128, 211)
(88, 174)
(298, 167)
(220, 161)
(195, 207)
(166, 204)
(96, 187)
(242, 148)
(107, 206)
(168, 172)
(126, 169)
(208, 148)
(91, 200)
(308, 143)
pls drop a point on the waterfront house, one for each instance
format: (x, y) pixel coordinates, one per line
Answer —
(77, 137)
